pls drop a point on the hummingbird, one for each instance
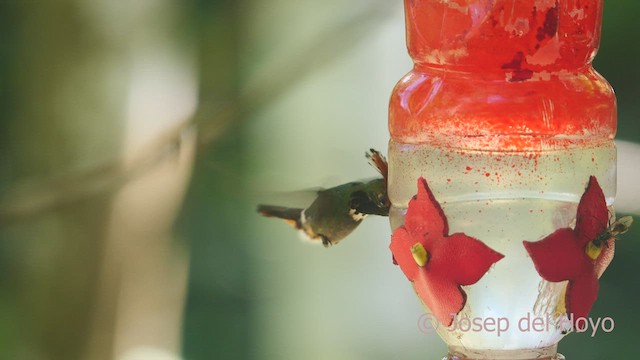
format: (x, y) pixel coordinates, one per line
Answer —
(337, 211)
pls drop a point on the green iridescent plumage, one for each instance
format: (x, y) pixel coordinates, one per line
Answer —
(337, 211)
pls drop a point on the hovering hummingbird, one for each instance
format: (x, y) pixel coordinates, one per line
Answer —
(337, 211)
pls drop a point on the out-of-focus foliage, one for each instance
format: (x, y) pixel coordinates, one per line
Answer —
(254, 292)
(617, 61)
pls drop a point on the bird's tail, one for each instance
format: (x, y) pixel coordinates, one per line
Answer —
(290, 215)
(379, 163)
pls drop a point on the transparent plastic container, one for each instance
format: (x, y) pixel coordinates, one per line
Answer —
(506, 119)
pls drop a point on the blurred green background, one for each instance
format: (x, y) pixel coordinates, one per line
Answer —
(122, 235)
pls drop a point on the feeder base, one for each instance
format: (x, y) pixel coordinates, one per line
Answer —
(459, 353)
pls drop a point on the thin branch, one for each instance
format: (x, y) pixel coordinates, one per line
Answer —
(31, 199)
(320, 52)
(26, 199)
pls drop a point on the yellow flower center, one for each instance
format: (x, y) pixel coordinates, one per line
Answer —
(420, 254)
(593, 250)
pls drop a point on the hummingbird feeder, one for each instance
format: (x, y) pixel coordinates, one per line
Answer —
(502, 171)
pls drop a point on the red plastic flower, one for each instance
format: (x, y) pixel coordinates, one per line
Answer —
(571, 254)
(438, 263)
